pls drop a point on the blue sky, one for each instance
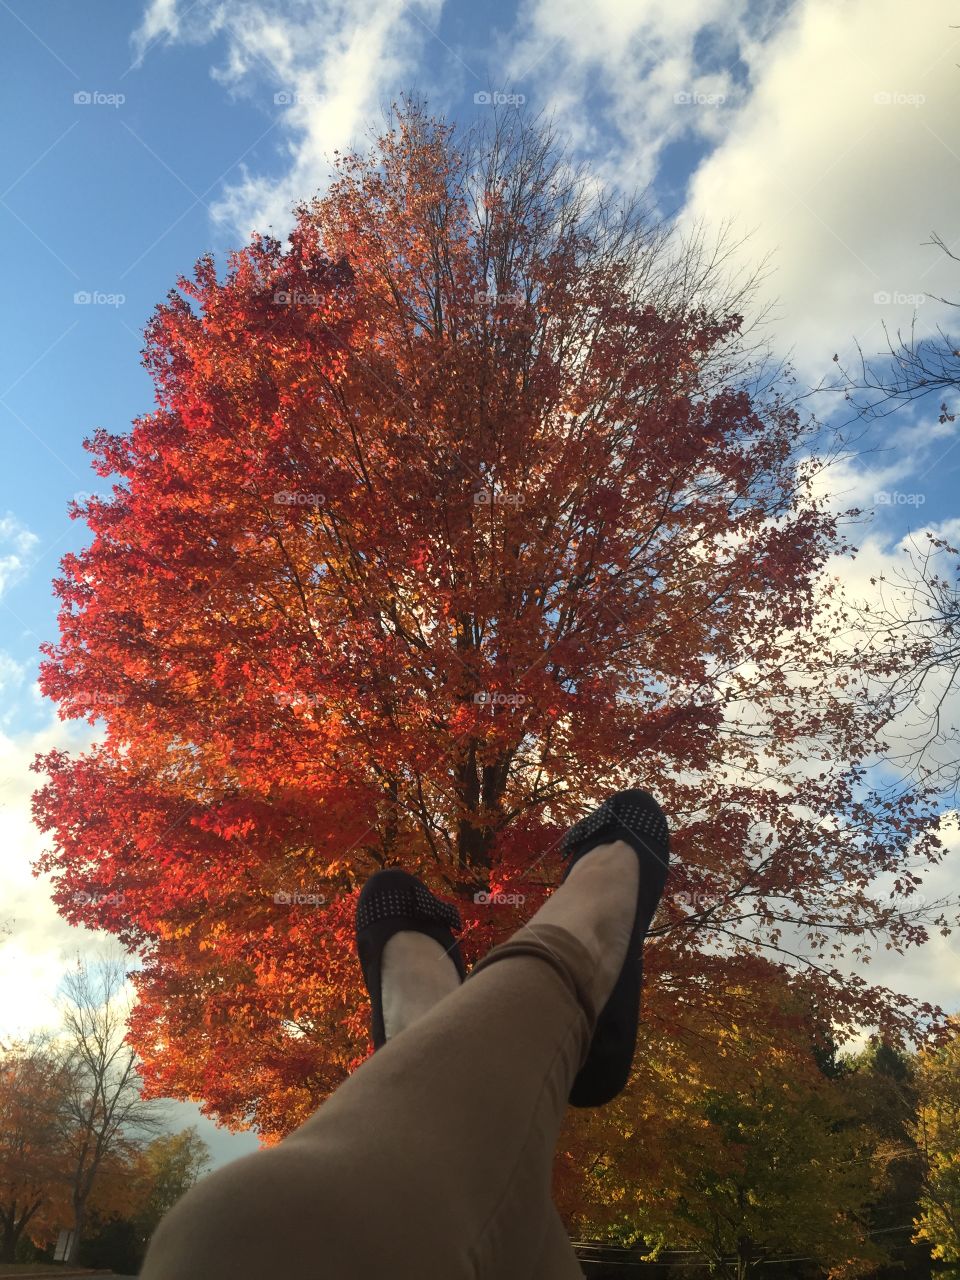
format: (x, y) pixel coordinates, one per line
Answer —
(751, 111)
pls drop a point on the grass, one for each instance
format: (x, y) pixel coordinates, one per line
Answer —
(45, 1268)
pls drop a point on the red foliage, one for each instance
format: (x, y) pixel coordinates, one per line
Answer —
(297, 591)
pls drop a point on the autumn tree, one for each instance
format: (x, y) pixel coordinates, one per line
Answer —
(155, 1177)
(884, 1079)
(741, 1147)
(911, 368)
(169, 1167)
(464, 506)
(938, 1138)
(103, 1119)
(922, 599)
(32, 1166)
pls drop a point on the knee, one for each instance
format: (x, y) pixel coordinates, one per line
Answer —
(239, 1222)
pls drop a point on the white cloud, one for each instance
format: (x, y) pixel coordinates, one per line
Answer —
(930, 972)
(840, 188)
(631, 63)
(12, 676)
(159, 20)
(38, 945)
(12, 673)
(844, 187)
(334, 60)
(20, 541)
(891, 482)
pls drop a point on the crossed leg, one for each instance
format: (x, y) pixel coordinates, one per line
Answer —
(435, 1156)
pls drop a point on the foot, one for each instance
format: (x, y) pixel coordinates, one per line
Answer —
(416, 972)
(597, 903)
(628, 822)
(407, 950)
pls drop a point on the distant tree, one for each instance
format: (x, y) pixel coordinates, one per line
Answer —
(169, 1167)
(917, 606)
(104, 1116)
(883, 1077)
(910, 369)
(938, 1137)
(33, 1089)
(744, 1150)
(923, 599)
(156, 1177)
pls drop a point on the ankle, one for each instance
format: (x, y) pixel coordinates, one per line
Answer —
(597, 903)
(416, 973)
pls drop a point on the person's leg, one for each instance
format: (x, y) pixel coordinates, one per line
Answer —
(435, 1155)
(558, 1260)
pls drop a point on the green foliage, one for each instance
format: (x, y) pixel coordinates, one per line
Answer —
(172, 1164)
(755, 1148)
(164, 1170)
(937, 1132)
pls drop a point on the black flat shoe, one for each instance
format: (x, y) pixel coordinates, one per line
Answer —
(393, 900)
(633, 816)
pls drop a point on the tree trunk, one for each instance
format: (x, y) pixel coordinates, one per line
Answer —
(12, 1228)
(79, 1213)
(478, 789)
(8, 1245)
